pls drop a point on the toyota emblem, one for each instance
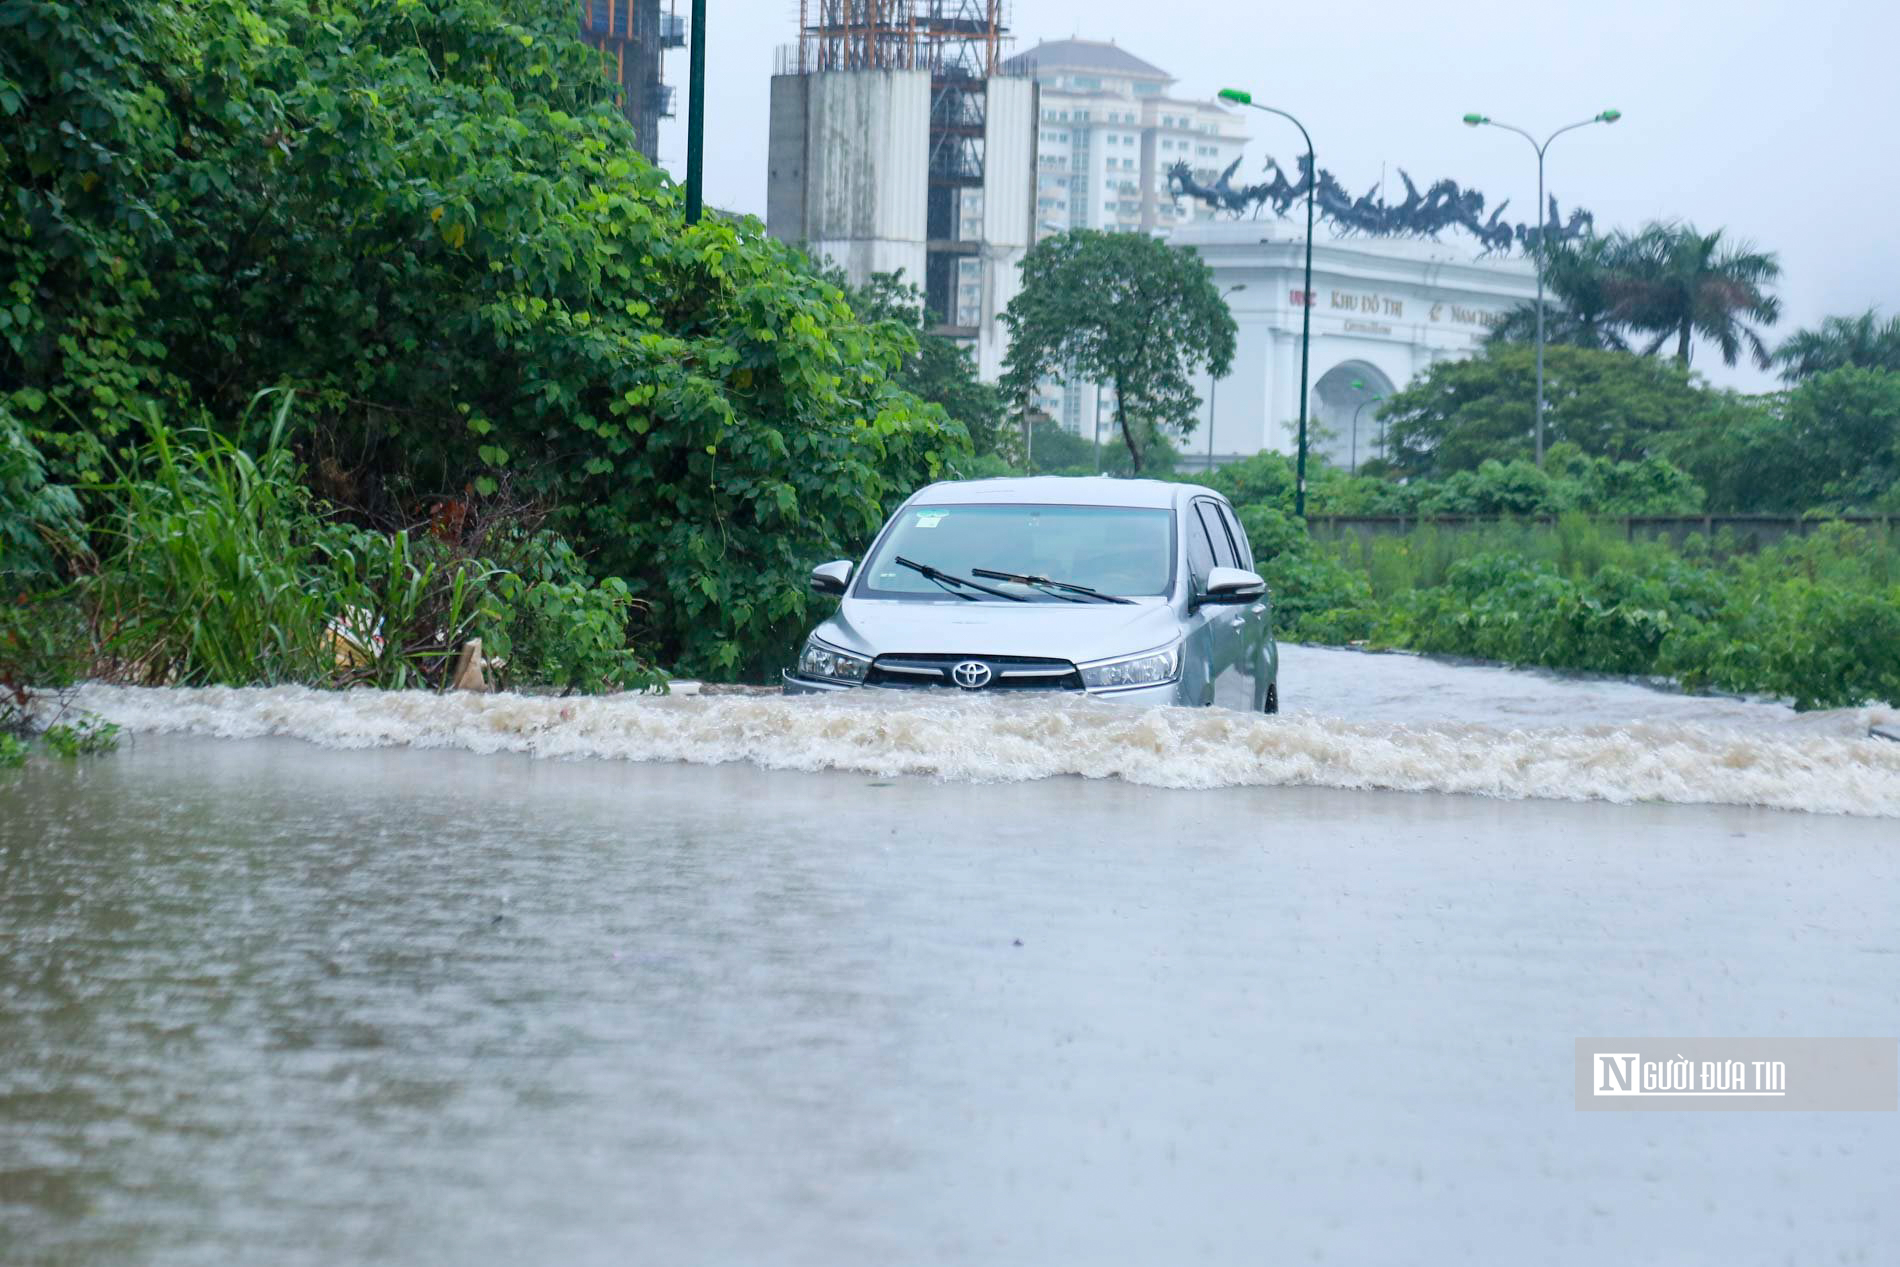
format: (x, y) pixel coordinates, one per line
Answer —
(971, 674)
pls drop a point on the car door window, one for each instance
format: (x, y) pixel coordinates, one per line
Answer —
(1242, 550)
(1209, 516)
(1200, 551)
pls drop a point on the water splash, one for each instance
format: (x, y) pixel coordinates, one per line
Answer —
(1816, 765)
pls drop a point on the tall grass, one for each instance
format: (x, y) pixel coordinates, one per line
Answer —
(211, 564)
(1576, 546)
(1814, 619)
(219, 568)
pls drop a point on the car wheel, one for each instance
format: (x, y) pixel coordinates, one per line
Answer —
(1273, 698)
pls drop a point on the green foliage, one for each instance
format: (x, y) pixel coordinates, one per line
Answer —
(1460, 414)
(1123, 309)
(551, 625)
(1582, 309)
(1681, 284)
(39, 520)
(13, 751)
(937, 370)
(1501, 607)
(209, 566)
(428, 217)
(1668, 280)
(88, 736)
(396, 608)
(1832, 443)
(1815, 620)
(220, 568)
(1271, 531)
(1860, 342)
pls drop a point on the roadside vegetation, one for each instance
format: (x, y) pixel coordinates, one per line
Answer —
(334, 335)
(1814, 619)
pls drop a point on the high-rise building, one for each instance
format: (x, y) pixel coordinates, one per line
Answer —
(631, 35)
(900, 142)
(1109, 130)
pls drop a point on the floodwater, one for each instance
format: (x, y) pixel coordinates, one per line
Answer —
(382, 983)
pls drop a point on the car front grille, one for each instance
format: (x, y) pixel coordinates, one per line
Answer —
(917, 671)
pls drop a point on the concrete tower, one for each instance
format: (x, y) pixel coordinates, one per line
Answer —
(899, 142)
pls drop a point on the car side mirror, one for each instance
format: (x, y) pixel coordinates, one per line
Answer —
(1233, 585)
(831, 578)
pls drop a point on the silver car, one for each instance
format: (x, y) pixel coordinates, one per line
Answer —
(1135, 590)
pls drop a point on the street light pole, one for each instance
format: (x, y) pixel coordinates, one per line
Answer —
(1479, 120)
(1359, 385)
(1238, 97)
(696, 115)
(1213, 386)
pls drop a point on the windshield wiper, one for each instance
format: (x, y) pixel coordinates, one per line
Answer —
(1042, 582)
(945, 579)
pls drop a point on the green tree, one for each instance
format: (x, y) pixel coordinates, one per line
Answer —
(1123, 309)
(428, 217)
(1832, 443)
(39, 521)
(1864, 342)
(1580, 311)
(1676, 282)
(936, 369)
(1608, 404)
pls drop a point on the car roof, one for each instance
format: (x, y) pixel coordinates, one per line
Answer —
(1059, 490)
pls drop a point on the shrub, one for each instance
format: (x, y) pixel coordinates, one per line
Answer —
(39, 520)
(89, 736)
(211, 572)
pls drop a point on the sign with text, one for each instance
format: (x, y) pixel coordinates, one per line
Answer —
(1751, 1074)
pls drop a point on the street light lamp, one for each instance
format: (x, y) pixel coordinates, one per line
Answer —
(1213, 385)
(1359, 385)
(1480, 120)
(1240, 98)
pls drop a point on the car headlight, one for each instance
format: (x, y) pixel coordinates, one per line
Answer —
(819, 660)
(1148, 669)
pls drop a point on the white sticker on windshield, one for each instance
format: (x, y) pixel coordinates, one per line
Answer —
(930, 518)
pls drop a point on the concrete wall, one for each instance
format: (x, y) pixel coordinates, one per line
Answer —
(1009, 209)
(785, 147)
(848, 168)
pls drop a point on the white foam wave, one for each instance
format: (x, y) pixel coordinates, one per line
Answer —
(983, 740)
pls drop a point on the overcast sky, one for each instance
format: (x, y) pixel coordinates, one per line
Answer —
(1774, 120)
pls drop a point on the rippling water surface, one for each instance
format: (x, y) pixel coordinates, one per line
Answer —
(1352, 721)
(396, 991)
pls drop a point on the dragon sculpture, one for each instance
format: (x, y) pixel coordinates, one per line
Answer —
(1424, 215)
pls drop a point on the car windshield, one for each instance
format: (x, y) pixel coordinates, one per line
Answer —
(1126, 550)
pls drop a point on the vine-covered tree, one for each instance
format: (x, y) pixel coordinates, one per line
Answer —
(1125, 310)
(429, 218)
(935, 368)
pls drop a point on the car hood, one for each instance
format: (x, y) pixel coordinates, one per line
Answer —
(1065, 631)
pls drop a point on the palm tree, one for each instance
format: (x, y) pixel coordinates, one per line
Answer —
(1580, 276)
(1673, 280)
(1863, 341)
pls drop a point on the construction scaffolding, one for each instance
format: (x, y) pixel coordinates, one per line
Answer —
(966, 35)
(631, 36)
(960, 42)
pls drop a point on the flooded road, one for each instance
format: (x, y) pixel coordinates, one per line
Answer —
(275, 1002)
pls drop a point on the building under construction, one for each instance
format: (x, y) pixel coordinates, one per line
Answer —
(900, 143)
(631, 35)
